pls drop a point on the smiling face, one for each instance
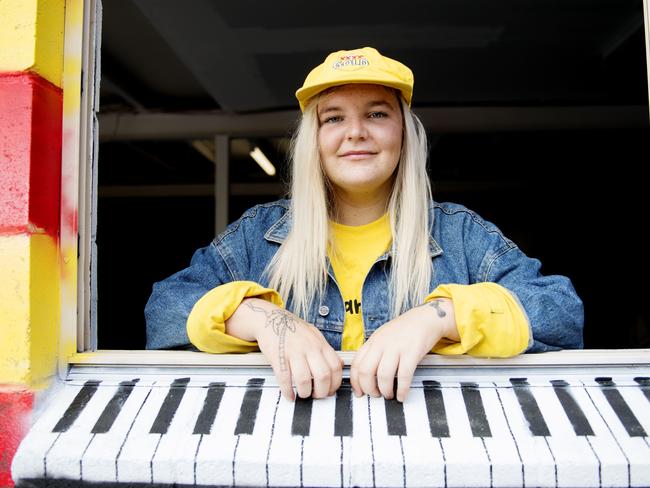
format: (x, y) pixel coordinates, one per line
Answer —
(360, 139)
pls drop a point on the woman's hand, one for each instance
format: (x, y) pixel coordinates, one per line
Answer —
(396, 348)
(296, 349)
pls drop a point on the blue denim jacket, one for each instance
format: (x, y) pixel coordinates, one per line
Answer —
(464, 249)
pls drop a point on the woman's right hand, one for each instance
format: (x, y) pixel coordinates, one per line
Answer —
(297, 350)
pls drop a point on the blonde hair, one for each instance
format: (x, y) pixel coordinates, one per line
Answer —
(299, 268)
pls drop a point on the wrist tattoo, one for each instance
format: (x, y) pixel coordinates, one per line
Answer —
(436, 304)
(280, 321)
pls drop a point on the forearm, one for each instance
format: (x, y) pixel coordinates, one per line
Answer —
(442, 316)
(250, 318)
(206, 325)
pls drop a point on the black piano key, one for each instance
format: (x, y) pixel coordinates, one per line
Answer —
(435, 409)
(573, 411)
(249, 406)
(644, 384)
(343, 410)
(301, 416)
(76, 407)
(529, 407)
(113, 407)
(395, 417)
(210, 407)
(395, 422)
(169, 406)
(621, 408)
(475, 411)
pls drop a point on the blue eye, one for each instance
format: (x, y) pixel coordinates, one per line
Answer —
(332, 119)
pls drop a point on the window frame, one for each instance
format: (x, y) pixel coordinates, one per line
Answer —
(78, 337)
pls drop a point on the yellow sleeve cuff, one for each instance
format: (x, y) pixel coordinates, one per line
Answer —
(490, 320)
(206, 324)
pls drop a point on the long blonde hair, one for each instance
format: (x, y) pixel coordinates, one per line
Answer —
(299, 268)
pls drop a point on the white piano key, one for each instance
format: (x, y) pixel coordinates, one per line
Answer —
(98, 462)
(507, 464)
(390, 466)
(468, 464)
(577, 464)
(607, 425)
(215, 457)
(284, 449)
(362, 457)
(615, 469)
(173, 461)
(426, 462)
(64, 459)
(321, 458)
(639, 405)
(30, 458)
(134, 459)
(252, 452)
(539, 464)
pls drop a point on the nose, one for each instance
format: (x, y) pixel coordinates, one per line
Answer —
(356, 128)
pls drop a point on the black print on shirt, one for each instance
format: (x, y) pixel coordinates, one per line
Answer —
(351, 307)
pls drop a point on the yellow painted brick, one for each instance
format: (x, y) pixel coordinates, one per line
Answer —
(29, 308)
(45, 299)
(14, 309)
(31, 37)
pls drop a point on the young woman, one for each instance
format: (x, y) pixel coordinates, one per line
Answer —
(361, 257)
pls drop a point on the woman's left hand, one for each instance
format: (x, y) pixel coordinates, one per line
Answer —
(396, 348)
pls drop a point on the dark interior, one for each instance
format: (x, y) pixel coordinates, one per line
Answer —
(537, 114)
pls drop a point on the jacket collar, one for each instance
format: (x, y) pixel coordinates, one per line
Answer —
(279, 231)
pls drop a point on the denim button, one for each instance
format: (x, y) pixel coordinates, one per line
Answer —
(324, 310)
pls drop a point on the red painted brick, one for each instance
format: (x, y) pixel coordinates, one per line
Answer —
(15, 412)
(30, 154)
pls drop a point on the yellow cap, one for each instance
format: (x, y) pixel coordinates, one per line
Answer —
(363, 65)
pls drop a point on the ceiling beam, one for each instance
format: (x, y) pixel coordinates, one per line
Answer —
(163, 126)
(210, 49)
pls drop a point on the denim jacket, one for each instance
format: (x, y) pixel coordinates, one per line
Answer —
(464, 249)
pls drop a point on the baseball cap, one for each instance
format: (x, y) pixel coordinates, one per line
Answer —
(365, 65)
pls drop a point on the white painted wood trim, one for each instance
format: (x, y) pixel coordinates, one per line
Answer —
(595, 357)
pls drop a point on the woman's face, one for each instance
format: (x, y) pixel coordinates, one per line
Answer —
(360, 138)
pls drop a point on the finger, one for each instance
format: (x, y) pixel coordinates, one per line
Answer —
(321, 374)
(354, 371)
(301, 376)
(404, 377)
(284, 382)
(368, 373)
(335, 364)
(386, 372)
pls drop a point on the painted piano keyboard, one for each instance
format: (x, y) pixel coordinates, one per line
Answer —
(237, 430)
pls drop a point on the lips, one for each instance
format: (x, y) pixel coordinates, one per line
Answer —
(357, 154)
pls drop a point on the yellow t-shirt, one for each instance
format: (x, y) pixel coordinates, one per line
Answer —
(356, 250)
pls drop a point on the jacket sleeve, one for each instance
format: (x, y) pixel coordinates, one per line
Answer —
(172, 299)
(490, 321)
(553, 307)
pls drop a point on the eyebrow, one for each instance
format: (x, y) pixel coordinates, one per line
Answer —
(373, 104)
